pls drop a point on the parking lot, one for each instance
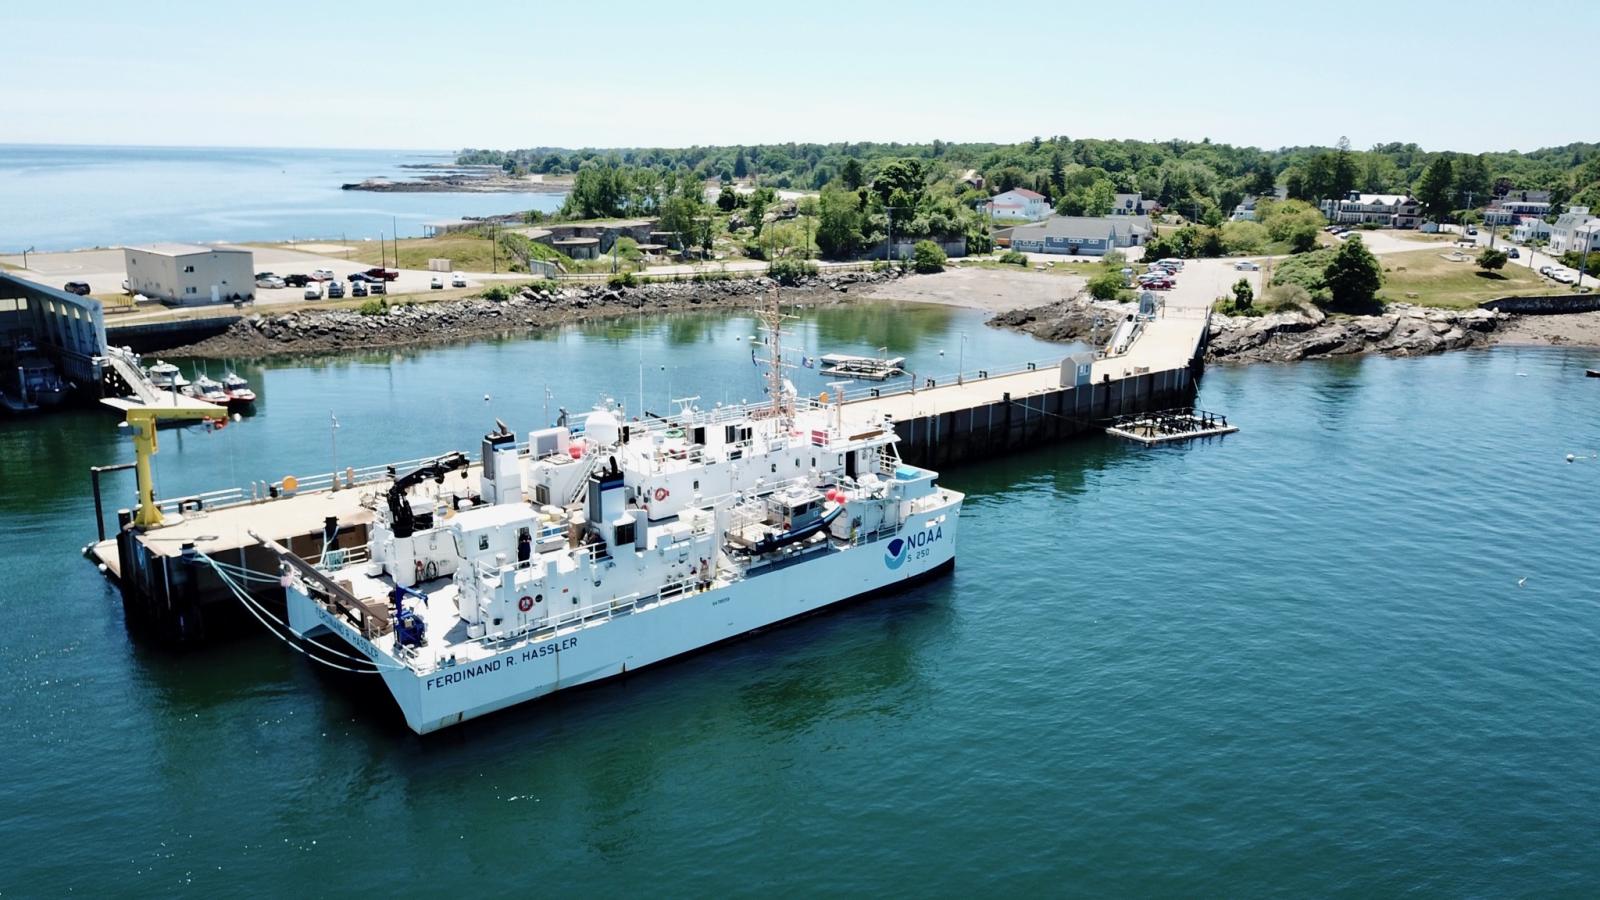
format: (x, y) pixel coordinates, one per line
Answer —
(104, 271)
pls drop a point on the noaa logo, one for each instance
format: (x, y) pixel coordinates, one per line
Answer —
(895, 556)
(899, 549)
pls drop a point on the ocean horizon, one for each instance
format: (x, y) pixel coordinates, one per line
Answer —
(79, 196)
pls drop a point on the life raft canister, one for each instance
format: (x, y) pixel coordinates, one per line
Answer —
(662, 494)
(525, 604)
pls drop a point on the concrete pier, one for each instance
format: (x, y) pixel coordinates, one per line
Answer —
(168, 591)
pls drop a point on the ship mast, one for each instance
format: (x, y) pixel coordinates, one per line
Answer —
(782, 403)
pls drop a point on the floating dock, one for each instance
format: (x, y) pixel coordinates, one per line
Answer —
(965, 417)
(1170, 425)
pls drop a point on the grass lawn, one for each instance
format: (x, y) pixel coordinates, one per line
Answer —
(1436, 281)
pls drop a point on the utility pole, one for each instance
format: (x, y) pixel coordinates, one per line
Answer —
(1583, 263)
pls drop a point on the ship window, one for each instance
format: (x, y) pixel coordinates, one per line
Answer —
(697, 485)
(538, 598)
(774, 467)
(625, 534)
(483, 542)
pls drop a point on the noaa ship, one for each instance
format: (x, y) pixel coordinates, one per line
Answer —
(590, 552)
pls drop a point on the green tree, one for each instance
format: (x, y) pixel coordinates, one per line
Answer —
(840, 223)
(1344, 169)
(851, 174)
(1436, 188)
(1354, 276)
(1491, 259)
(741, 167)
(1294, 222)
(927, 257)
(727, 199)
(1099, 199)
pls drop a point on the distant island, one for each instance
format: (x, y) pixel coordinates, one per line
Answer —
(463, 179)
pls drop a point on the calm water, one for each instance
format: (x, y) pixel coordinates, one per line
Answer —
(1292, 662)
(66, 197)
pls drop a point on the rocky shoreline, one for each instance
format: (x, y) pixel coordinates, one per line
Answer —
(1400, 330)
(302, 332)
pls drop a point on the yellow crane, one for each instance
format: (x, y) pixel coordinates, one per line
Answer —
(143, 419)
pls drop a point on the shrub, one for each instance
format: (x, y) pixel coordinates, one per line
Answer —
(1306, 271)
(1243, 294)
(622, 280)
(927, 257)
(1014, 258)
(1285, 298)
(790, 270)
(882, 265)
(377, 306)
(498, 293)
(1491, 259)
(1106, 286)
(1244, 237)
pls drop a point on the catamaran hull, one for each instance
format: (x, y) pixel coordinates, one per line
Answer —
(652, 633)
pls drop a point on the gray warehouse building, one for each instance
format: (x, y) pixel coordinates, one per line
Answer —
(190, 274)
(1088, 235)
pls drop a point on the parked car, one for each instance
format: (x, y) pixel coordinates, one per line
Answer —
(1472, 229)
(382, 273)
(435, 284)
(1245, 265)
(377, 287)
(335, 290)
(81, 288)
(1513, 253)
(458, 280)
(1564, 277)
(323, 275)
(359, 276)
(261, 275)
(313, 293)
(1160, 284)
(1545, 270)
(271, 281)
(359, 289)
(297, 280)
(1169, 262)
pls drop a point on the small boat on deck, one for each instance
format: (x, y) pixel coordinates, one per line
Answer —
(237, 389)
(30, 381)
(872, 368)
(167, 376)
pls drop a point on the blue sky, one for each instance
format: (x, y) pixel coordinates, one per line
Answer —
(502, 74)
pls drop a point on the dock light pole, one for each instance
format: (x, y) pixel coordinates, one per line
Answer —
(961, 359)
(333, 439)
(25, 259)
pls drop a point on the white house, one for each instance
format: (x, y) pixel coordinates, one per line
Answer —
(1018, 203)
(1576, 230)
(1531, 229)
(190, 274)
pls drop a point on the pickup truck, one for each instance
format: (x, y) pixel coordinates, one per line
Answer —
(383, 274)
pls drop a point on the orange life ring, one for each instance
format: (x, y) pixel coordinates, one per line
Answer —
(662, 494)
(525, 604)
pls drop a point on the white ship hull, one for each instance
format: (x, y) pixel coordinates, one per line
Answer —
(584, 653)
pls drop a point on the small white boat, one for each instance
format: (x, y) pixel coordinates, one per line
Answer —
(237, 389)
(167, 376)
(208, 389)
